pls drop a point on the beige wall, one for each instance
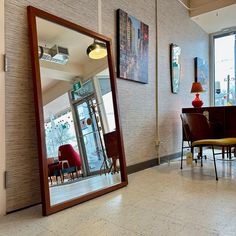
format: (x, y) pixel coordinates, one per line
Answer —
(175, 26)
(137, 101)
(2, 113)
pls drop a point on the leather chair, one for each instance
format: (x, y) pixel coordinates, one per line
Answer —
(197, 132)
(67, 153)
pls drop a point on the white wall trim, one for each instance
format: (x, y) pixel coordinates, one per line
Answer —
(2, 113)
(157, 142)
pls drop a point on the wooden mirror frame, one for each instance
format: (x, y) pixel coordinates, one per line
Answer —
(45, 196)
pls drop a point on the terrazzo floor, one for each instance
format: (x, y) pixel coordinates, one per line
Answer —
(158, 201)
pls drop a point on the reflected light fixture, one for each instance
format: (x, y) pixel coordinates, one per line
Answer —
(197, 88)
(97, 50)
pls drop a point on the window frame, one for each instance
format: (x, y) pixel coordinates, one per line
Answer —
(213, 36)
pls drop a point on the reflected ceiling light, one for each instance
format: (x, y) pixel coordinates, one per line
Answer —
(97, 50)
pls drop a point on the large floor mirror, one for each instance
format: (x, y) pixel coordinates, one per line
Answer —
(80, 143)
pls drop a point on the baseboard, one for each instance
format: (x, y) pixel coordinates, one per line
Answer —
(151, 163)
(142, 166)
(167, 158)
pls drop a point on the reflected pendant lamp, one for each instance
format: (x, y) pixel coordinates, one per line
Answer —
(97, 50)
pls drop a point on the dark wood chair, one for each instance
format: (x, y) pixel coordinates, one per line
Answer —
(54, 169)
(110, 140)
(198, 133)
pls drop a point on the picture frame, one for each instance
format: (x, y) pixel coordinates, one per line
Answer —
(132, 48)
(175, 67)
(201, 72)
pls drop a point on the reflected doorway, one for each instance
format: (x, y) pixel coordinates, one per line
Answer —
(89, 128)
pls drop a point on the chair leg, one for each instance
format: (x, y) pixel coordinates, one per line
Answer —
(200, 153)
(230, 153)
(182, 153)
(192, 151)
(223, 152)
(213, 152)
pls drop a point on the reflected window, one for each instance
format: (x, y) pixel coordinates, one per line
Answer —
(108, 105)
(59, 125)
(105, 87)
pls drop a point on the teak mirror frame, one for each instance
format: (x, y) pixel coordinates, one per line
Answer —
(45, 197)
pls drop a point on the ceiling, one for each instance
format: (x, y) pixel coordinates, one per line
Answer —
(215, 21)
(79, 64)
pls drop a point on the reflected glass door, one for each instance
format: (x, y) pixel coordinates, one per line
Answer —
(89, 128)
(224, 63)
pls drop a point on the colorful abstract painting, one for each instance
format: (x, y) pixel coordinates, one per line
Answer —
(201, 72)
(132, 48)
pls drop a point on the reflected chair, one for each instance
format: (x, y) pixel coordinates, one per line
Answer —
(67, 153)
(54, 169)
(197, 132)
(110, 140)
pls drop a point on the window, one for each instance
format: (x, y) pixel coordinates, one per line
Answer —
(59, 125)
(224, 69)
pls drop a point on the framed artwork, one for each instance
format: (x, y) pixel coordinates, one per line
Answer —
(132, 48)
(201, 72)
(175, 67)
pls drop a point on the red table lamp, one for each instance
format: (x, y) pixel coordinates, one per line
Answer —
(197, 88)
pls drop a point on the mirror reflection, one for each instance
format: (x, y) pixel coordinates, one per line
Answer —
(80, 130)
(175, 66)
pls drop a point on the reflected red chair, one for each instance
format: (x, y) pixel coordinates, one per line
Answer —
(67, 153)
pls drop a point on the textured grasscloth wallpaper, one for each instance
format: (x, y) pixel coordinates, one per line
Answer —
(137, 101)
(174, 26)
(21, 148)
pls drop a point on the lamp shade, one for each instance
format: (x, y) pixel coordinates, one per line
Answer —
(196, 88)
(97, 50)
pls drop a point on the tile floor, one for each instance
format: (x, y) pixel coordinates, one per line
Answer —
(159, 201)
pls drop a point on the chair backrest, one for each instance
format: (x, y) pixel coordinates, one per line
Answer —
(110, 140)
(195, 126)
(50, 160)
(67, 152)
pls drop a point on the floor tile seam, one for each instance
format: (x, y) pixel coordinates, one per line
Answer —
(85, 226)
(203, 229)
(153, 210)
(121, 226)
(47, 224)
(199, 210)
(24, 228)
(46, 229)
(184, 221)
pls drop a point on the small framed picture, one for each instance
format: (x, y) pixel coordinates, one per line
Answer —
(201, 72)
